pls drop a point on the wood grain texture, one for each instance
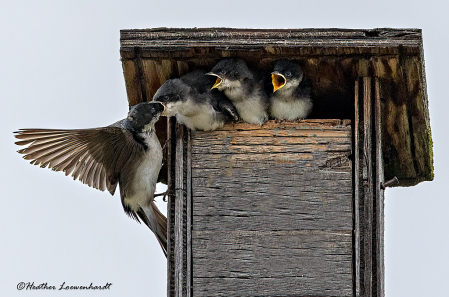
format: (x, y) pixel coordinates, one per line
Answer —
(379, 206)
(332, 59)
(248, 39)
(272, 215)
(171, 158)
(272, 263)
(132, 82)
(369, 272)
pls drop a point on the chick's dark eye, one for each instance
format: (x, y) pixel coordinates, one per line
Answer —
(288, 73)
(223, 71)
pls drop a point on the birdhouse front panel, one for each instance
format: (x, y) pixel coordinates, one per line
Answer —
(272, 209)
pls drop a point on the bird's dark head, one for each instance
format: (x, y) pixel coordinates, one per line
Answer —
(286, 74)
(229, 72)
(143, 116)
(172, 90)
(172, 93)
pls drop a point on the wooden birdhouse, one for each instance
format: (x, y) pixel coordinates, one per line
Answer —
(288, 208)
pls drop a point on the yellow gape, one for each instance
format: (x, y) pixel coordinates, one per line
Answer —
(278, 81)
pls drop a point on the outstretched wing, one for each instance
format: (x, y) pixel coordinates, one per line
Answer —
(94, 156)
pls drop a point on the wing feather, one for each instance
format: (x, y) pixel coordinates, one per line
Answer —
(93, 156)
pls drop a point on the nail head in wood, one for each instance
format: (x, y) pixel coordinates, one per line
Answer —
(389, 183)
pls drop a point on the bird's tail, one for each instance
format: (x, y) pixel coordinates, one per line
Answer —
(157, 222)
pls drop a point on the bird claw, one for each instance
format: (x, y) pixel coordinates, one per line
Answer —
(280, 121)
(164, 195)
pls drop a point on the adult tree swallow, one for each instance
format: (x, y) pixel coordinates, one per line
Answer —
(291, 98)
(194, 104)
(127, 153)
(244, 87)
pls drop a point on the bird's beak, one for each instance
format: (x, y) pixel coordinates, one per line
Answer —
(278, 81)
(217, 82)
(165, 108)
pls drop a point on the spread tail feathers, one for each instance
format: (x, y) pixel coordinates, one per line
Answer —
(157, 222)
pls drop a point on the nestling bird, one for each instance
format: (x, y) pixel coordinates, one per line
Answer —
(291, 98)
(244, 87)
(193, 102)
(127, 153)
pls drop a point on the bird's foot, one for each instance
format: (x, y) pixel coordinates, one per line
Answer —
(164, 195)
(278, 121)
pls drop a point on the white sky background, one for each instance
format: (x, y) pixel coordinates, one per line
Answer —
(60, 68)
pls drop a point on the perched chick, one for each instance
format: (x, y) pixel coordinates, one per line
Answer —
(127, 153)
(244, 87)
(194, 104)
(291, 98)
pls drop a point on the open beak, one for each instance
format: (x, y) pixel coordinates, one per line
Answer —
(217, 82)
(165, 109)
(278, 81)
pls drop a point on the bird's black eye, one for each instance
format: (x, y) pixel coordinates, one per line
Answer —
(288, 73)
(222, 71)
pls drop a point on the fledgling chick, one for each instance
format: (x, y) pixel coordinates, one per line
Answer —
(194, 104)
(244, 87)
(127, 153)
(291, 98)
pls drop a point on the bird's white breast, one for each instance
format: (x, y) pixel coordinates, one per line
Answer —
(198, 116)
(291, 109)
(145, 177)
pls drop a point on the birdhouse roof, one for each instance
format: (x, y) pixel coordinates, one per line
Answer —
(332, 59)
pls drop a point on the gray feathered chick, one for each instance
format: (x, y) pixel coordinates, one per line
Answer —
(194, 104)
(244, 87)
(291, 98)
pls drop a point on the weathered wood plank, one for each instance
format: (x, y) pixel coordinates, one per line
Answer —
(188, 216)
(333, 162)
(237, 139)
(181, 250)
(368, 195)
(182, 39)
(311, 124)
(356, 188)
(315, 217)
(290, 286)
(367, 199)
(132, 82)
(266, 149)
(171, 159)
(216, 179)
(323, 263)
(180, 247)
(379, 194)
(156, 73)
(241, 253)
